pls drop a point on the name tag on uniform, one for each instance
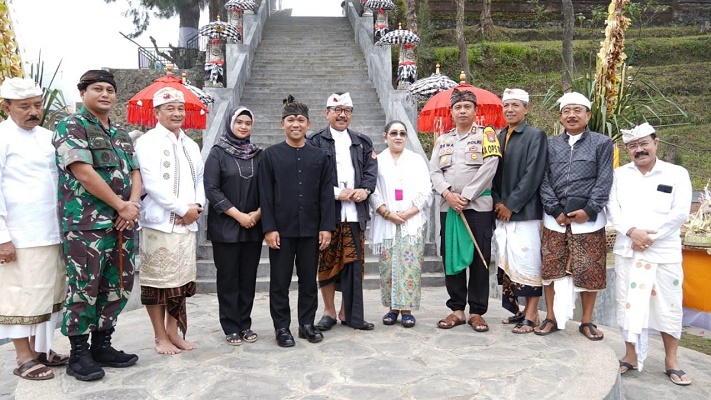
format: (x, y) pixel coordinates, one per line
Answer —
(398, 194)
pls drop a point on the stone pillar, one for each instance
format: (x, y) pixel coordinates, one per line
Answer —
(381, 24)
(234, 17)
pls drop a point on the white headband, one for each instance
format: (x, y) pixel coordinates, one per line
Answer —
(19, 89)
(515, 94)
(335, 100)
(638, 132)
(574, 98)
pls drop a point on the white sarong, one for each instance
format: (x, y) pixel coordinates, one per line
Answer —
(519, 244)
(33, 289)
(649, 299)
(168, 260)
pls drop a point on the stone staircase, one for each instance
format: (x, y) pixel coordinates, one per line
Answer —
(310, 58)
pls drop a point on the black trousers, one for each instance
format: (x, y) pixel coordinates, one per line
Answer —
(237, 265)
(302, 252)
(351, 284)
(475, 290)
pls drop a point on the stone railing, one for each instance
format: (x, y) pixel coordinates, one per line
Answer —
(239, 65)
(397, 104)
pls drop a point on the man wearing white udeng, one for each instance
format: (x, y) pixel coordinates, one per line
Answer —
(31, 267)
(649, 201)
(172, 172)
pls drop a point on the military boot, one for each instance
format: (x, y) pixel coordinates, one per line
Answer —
(81, 365)
(105, 354)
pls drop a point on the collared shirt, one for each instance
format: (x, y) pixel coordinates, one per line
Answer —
(345, 173)
(459, 163)
(172, 171)
(81, 137)
(28, 187)
(659, 200)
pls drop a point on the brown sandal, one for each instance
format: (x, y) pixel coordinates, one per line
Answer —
(53, 360)
(476, 321)
(449, 322)
(32, 370)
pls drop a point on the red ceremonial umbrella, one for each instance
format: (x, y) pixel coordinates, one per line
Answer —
(140, 106)
(436, 116)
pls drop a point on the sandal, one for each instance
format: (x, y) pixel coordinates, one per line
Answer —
(449, 322)
(526, 322)
(248, 336)
(53, 360)
(32, 370)
(627, 366)
(476, 321)
(408, 320)
(514, 319)
(591, 330)
(544, 324)
(233, 339)
(678, 373)
(390, 318)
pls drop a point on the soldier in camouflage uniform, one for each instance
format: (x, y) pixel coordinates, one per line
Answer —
(99, 190)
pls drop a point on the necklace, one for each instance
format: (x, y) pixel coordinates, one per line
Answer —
(250, 169)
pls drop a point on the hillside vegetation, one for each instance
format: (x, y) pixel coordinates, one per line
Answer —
(674, 60)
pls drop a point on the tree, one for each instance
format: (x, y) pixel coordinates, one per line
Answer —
(140, 12)
(411, 52)
(461, 42)
(568, 28)
(485, 21)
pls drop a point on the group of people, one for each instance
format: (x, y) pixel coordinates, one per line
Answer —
(545, 200)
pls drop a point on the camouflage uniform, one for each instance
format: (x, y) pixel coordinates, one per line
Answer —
(94, 298)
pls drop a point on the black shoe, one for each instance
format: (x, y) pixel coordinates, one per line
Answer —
(284, 337)
(311, 333)
(81, 365)
(325, 323)
(367, 326)
(104, 354)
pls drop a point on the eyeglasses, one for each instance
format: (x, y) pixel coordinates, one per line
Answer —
(338, 111)
(633, 146)
(395, 134)
(576, 111)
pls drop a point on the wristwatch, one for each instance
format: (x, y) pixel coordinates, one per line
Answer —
(368, 191)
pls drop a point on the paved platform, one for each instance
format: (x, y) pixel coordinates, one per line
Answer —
(390, 362)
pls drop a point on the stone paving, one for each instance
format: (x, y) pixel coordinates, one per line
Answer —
(390, 362)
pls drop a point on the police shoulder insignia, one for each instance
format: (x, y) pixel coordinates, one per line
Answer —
(490, 145)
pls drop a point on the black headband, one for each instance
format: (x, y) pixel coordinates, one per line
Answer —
(93, 76)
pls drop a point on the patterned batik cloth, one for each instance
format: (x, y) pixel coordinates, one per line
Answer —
(572, 263)
(519, 274)
(401, 272)
(173, 299)
(648, 298)
(341, 251)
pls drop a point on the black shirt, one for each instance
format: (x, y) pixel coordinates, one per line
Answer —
(231, 182)
(296, 191)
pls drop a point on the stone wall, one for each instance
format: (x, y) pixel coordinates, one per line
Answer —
(522, 14)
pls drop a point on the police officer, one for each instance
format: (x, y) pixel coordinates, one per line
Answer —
(463, 166)
(99, 190)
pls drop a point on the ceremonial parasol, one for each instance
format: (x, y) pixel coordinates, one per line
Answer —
(436, 115)
(427, 87)
(140, 106)
(204, 97)
(241, 5)
(220, 30)
(399, 36)
(380, 4)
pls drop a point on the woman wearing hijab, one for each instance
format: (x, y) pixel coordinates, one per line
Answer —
(402, 193)
(233, 223)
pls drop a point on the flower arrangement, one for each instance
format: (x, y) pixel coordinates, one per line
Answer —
(698, 227)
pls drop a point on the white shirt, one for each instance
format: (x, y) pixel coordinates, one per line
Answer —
(172, 173)
(586, 227)
(345, 173)
(636, 202)
(28, 187)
